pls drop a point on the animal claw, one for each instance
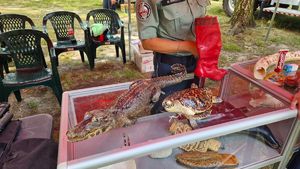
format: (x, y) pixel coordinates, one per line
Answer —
(173, 117)
(216, 99)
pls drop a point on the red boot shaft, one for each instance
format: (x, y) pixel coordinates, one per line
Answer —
(209, 44)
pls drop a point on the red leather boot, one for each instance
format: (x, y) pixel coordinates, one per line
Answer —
(209, 44)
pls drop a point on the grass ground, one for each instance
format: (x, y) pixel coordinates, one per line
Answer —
(75, 75)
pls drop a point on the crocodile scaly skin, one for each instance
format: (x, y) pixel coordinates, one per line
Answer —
(133, 103)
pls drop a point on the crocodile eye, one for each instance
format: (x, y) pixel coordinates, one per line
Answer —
(87, 116)
(94, 119)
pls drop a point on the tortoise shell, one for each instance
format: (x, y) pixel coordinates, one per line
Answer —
(189, 102)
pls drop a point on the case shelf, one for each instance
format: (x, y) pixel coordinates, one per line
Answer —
(248, 150)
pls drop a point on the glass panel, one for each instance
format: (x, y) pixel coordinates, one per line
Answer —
(92, 102)
(145, 129)
(242, 100)
(245, 148)
(248, 67)
(249, 98)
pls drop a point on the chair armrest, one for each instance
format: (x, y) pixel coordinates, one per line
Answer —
(121, 23)
(87, 33)
(87, 23)
(53, 61)
(52, 52)
(84, 26)
(88, 37)
(34, 27)
(53, 57)
(45, 29)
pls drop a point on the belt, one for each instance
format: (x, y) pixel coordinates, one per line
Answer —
(172, 59)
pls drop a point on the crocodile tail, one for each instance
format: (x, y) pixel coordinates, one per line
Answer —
(178, 70)
(178, 75)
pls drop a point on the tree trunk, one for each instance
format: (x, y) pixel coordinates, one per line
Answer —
(242, 16)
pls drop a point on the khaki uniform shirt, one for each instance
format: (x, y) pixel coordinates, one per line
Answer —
(170, 19)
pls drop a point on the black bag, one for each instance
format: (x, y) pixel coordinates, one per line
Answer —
(7, 137)
(33, 153)
(4, 107)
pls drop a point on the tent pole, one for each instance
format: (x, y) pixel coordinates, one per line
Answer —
(129, 29)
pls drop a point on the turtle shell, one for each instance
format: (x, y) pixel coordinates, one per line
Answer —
(189, 101)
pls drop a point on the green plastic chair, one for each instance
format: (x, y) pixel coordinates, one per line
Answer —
(112, 20)
(61, 22)
(9, 22)
(28, 57)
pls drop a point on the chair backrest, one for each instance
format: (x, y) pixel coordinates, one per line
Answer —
(9, 22)
(105, 16)
(61, 21)
(25, 48)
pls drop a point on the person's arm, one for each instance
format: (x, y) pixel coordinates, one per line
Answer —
(296, 103)
(169, 46)
(296, 100)
(148, 20)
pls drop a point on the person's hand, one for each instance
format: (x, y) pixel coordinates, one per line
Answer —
(189, 46)
(193, 49)
(296, 103)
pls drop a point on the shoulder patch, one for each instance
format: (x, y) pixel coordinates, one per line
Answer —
(143, 11)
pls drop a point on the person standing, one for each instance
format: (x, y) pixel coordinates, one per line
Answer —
(167, 28)
(109, 4)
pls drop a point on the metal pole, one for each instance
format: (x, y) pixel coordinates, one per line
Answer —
(272, 20)
(129, 29)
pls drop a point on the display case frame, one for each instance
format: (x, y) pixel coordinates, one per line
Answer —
(126, 153)
(279, 92)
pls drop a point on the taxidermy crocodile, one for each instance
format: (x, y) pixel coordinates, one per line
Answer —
(128, 107)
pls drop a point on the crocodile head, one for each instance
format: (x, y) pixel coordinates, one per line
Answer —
(94, 123)
(189, 102)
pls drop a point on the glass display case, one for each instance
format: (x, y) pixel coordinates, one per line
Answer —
(253, 123)
(245, 69)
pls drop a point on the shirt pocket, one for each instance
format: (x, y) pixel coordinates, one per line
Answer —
(203, 3)
(172, 14)
(201, 8)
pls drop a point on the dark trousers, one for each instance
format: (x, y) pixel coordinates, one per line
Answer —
(294, 163)
(107, 5)
(162, 67)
